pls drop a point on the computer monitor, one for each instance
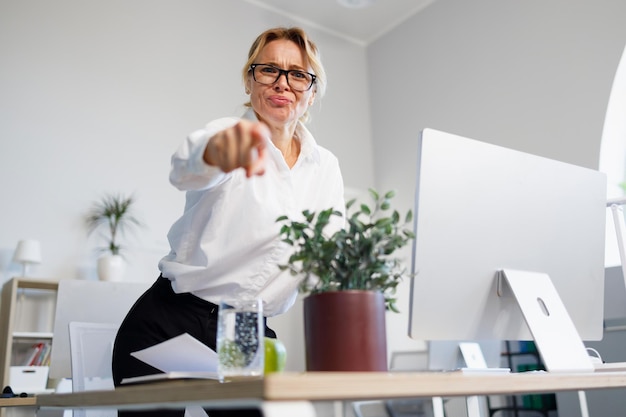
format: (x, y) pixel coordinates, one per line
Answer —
(482, 208)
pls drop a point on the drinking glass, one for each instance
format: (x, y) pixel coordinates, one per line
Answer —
(240, 338)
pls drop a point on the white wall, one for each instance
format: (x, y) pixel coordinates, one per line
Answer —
(530, 75)
(95, 96)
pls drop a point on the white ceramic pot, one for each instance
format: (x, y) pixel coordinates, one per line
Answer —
(111, 268)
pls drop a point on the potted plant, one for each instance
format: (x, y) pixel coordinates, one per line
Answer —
(350, 278)
(112, 213)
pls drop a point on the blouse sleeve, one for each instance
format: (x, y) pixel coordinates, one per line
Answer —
(188, 169)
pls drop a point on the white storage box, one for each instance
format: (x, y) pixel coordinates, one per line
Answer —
(29, 379)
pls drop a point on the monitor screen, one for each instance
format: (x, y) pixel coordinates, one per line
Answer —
(481, 208)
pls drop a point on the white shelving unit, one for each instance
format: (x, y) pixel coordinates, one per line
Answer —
(26, 317)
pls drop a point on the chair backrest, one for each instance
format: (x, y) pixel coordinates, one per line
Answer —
(91, 350)
(87, 301)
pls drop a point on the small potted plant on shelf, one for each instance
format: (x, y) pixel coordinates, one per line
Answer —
(350, 279)
(112, 213)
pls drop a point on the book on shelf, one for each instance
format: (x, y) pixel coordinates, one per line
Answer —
(38, 355)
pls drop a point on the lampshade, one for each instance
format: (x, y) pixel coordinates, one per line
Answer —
(27, 252)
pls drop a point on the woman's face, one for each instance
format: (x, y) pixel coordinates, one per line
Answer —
(278, 104)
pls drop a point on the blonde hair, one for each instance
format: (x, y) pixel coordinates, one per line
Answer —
(306, 45)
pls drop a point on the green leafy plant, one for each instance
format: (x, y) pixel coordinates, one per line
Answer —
(357, 257)
(113, 214)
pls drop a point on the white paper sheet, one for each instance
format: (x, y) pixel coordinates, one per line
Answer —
(182, 353)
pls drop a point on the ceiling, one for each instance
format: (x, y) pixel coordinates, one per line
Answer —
(360, 25)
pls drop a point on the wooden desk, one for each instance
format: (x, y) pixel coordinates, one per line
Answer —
(18, 402)
(330, 386)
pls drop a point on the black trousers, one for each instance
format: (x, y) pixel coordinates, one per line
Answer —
(158, 315)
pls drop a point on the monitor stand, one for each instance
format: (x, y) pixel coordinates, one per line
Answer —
(555, 335)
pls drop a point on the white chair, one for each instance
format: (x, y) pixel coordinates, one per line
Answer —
(91, 350)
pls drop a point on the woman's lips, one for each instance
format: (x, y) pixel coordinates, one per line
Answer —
(279, 100)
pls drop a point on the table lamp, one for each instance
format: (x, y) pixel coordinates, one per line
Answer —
(27, 252)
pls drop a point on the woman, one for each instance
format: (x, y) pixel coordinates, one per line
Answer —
(240, 175)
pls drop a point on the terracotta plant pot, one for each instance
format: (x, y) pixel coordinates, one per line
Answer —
(345, 331)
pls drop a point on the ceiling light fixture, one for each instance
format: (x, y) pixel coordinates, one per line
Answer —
(356, 4)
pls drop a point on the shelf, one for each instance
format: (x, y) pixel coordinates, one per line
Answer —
(519, 353)
(519, 404)
(37, 284)
(32, 335)
(517, 410)
(26, 305)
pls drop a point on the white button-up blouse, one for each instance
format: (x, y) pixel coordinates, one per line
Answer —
(227, 243)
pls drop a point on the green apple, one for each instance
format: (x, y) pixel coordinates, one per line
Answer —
(275, 355)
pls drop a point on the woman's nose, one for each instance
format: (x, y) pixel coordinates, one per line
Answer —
(282, 81)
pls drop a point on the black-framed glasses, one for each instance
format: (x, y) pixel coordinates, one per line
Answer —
(269, 74)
